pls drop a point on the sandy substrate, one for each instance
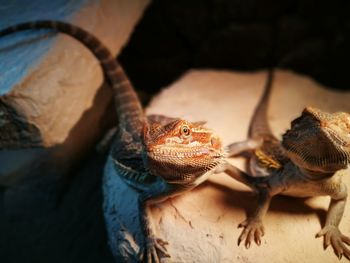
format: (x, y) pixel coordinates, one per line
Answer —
(201, 226)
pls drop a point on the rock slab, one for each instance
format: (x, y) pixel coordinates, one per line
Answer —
(201, 226)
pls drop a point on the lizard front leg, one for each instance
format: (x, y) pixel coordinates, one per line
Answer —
(253, 226)
(331, 232)
(154, 247)
(240, 147)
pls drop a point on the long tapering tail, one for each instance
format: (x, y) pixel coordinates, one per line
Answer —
(128, 106)
(259, 124)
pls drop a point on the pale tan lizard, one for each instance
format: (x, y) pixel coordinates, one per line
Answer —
(309, 161)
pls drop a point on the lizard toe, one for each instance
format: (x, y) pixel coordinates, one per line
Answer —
(160, 246)
(152, 255)
(155, 249)
(243, 224)
(162, 242)
(243, 236)
(247, 244)
(258, 234)
(323, 231)
(347, 253)
(345, 239)
(339, 242)
(253, 231)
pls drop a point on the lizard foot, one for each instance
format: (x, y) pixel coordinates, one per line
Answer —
(253, 230)
(155, 249)
(333, 236)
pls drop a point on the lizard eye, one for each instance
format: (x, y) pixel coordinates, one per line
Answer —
(185, 130)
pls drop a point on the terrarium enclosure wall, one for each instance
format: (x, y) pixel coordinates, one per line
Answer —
(61, 199)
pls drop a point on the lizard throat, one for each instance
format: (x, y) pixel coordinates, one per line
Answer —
(315, 175)
(315, 162)
(182, 165)
(183, 152)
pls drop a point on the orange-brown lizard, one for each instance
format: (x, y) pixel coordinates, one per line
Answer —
(159, 156)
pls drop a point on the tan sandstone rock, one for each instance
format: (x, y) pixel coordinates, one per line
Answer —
(201, 226)
(60, 103)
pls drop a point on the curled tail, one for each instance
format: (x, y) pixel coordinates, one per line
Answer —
(259, 124)
(128, 106)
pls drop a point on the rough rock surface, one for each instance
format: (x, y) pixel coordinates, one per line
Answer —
(51, 86)
(54, 213)
(201, 226)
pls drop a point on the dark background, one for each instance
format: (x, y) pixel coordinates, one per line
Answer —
(308, 36)
(46, 219)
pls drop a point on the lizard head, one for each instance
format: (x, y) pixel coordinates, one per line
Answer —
(319, 141)
(181, 151)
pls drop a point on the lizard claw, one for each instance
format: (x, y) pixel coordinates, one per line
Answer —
(162, 243)
(155, 249)
(253, 230)
(333, 236)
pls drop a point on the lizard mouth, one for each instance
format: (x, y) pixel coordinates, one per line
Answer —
(183, 164)
(181, 152)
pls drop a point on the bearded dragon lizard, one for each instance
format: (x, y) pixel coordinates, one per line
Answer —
(160, 156)
(309, 161)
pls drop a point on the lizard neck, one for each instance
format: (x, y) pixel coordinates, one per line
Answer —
(315, 175)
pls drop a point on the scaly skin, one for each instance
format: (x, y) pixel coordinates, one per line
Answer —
(177, 156)
(159, 156)
(310, 161)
